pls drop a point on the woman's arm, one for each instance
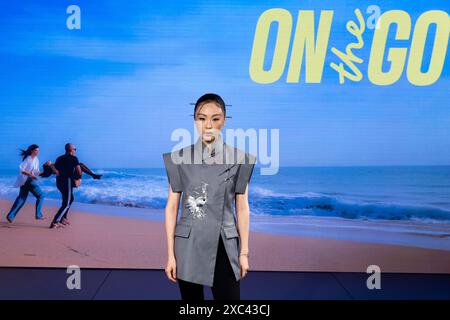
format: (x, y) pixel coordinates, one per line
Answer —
(28, 174)
(243, 217)
(171, 215)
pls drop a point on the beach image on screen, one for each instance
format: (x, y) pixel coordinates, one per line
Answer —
(360, 172)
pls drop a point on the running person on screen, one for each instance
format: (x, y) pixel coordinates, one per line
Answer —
(27, 182)
(68, 172)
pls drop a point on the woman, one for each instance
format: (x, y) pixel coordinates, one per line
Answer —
(49, 169)
(207, 246)
(29, 171)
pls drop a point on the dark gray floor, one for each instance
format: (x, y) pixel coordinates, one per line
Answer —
(32, 283)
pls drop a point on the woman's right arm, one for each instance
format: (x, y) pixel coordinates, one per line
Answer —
(171, 214)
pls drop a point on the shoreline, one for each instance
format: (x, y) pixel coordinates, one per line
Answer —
(394, 232)
(102, 241)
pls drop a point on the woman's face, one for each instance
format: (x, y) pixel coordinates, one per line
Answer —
(35, 152)
(209, 121)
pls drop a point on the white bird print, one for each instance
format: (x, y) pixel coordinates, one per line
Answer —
(196, 202)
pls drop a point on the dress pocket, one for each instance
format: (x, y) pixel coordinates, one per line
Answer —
(231, 232)
(183, 230)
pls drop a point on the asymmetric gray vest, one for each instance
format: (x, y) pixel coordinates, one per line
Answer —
(208, 183)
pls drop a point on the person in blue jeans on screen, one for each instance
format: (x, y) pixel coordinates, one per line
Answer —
(27, 182)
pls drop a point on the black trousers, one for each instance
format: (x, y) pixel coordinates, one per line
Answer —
(225, 286)
(64, 186)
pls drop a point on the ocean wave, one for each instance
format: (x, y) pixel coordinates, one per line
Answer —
(137, 192)
(266, 202)
(119, 189)
(145, 190)
(116, 174)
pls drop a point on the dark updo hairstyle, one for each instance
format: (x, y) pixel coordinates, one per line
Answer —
(25, 153)
(210, 97)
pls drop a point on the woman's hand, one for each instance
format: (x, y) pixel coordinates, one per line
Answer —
(171, 269)
(243, 261)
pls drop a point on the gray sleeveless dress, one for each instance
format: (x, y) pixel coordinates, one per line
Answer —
(208, 183)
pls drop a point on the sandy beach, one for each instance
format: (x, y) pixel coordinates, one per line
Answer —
(102, 241)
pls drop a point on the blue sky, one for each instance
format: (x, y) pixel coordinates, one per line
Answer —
(119, 86)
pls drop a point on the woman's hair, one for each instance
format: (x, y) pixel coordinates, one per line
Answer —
(210, 97)
(25, 153)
